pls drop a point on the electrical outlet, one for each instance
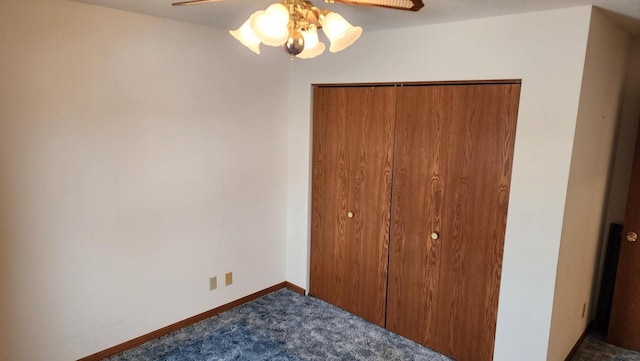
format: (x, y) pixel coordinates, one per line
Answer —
(228, 279)
(584, 309)
(213, 283)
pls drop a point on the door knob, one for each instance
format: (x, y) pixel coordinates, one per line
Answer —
(350, 214)
(435, 236)
(632, 236)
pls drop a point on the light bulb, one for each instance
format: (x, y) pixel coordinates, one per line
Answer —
(311, 36)
(271, 28)
(340, 32)
(312, 46)
(247, 37)
(279, 11)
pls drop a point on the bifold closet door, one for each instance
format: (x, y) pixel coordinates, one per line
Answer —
(452, 170)
(351, 188)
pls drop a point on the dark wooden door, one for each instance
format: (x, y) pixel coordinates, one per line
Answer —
(452, 170)
(624, 326)
(351, 188)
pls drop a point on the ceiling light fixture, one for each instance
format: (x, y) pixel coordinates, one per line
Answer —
(293, 25)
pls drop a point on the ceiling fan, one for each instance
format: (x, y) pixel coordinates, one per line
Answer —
(294, 24)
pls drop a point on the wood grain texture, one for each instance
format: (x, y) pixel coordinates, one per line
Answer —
(624, 325)
(186, 322)
(452, 168)
(352, 155)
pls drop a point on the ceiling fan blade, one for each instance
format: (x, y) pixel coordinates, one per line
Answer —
(412, 5)
(194, 2)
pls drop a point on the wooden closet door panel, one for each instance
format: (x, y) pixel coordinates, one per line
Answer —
(352, 159)
(467, 132)
(416, 212)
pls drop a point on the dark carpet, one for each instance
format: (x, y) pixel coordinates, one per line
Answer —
(594, 348)
(282, 326)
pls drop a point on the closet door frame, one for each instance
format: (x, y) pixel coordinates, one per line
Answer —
(484, 347)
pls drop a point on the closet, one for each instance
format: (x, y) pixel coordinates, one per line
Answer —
(410, 188)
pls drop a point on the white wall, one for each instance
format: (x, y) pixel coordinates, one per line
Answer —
(626, 140)
(547, 51)
(624, 154)
(591, 164)
(138, 157)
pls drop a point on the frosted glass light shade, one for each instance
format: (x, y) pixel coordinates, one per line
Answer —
(271, 28)
(312, 46)
(279, 11)
(310, 36)
(340, 32)
(247, 37)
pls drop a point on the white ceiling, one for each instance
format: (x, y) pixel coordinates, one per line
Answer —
(232, 13)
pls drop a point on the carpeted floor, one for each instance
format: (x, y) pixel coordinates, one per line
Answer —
(594, 348)
(282, 326)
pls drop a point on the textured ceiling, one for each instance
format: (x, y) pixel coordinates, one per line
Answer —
(230, 14)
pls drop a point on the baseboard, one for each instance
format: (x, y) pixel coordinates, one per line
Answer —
(575, 347)
(187, 322)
